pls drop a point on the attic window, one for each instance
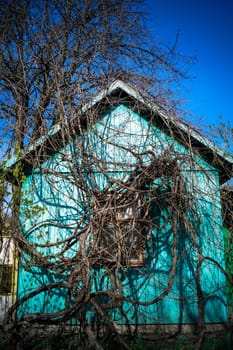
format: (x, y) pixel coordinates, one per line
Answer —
(120, 236)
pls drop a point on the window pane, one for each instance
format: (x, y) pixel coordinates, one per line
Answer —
(133, 240)
(126, 239)
(5, 279)
(122, 233)
(7, 251)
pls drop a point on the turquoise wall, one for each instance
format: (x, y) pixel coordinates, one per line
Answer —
(54, 206)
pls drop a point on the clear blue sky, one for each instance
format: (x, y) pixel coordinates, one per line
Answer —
(206, 31)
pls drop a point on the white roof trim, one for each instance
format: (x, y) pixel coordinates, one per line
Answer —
(118, 84)
(154, 107)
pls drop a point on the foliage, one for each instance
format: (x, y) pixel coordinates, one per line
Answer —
(227, 197)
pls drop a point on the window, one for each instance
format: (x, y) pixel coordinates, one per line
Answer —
(6, 265)
(5, 279)
(119, 229)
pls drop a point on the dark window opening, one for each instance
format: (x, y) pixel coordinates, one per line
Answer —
(120, 235)
(6, 272)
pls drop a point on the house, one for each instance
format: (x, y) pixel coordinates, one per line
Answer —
(121, 216)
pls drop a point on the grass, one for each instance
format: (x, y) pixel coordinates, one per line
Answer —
(182, 342)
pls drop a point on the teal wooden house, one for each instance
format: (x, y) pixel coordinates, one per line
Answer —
(121, 216)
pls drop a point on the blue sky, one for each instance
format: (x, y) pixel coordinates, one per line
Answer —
(206, 31)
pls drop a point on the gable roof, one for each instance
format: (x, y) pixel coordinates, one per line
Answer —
(200, 144)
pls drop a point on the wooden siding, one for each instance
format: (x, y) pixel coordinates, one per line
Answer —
(58, 204)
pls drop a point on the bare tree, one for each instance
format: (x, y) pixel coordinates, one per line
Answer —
(55, 54)
(98, 209)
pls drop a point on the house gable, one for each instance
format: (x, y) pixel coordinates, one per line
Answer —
(119, 92)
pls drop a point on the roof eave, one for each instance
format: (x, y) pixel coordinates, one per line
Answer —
(119, 85)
